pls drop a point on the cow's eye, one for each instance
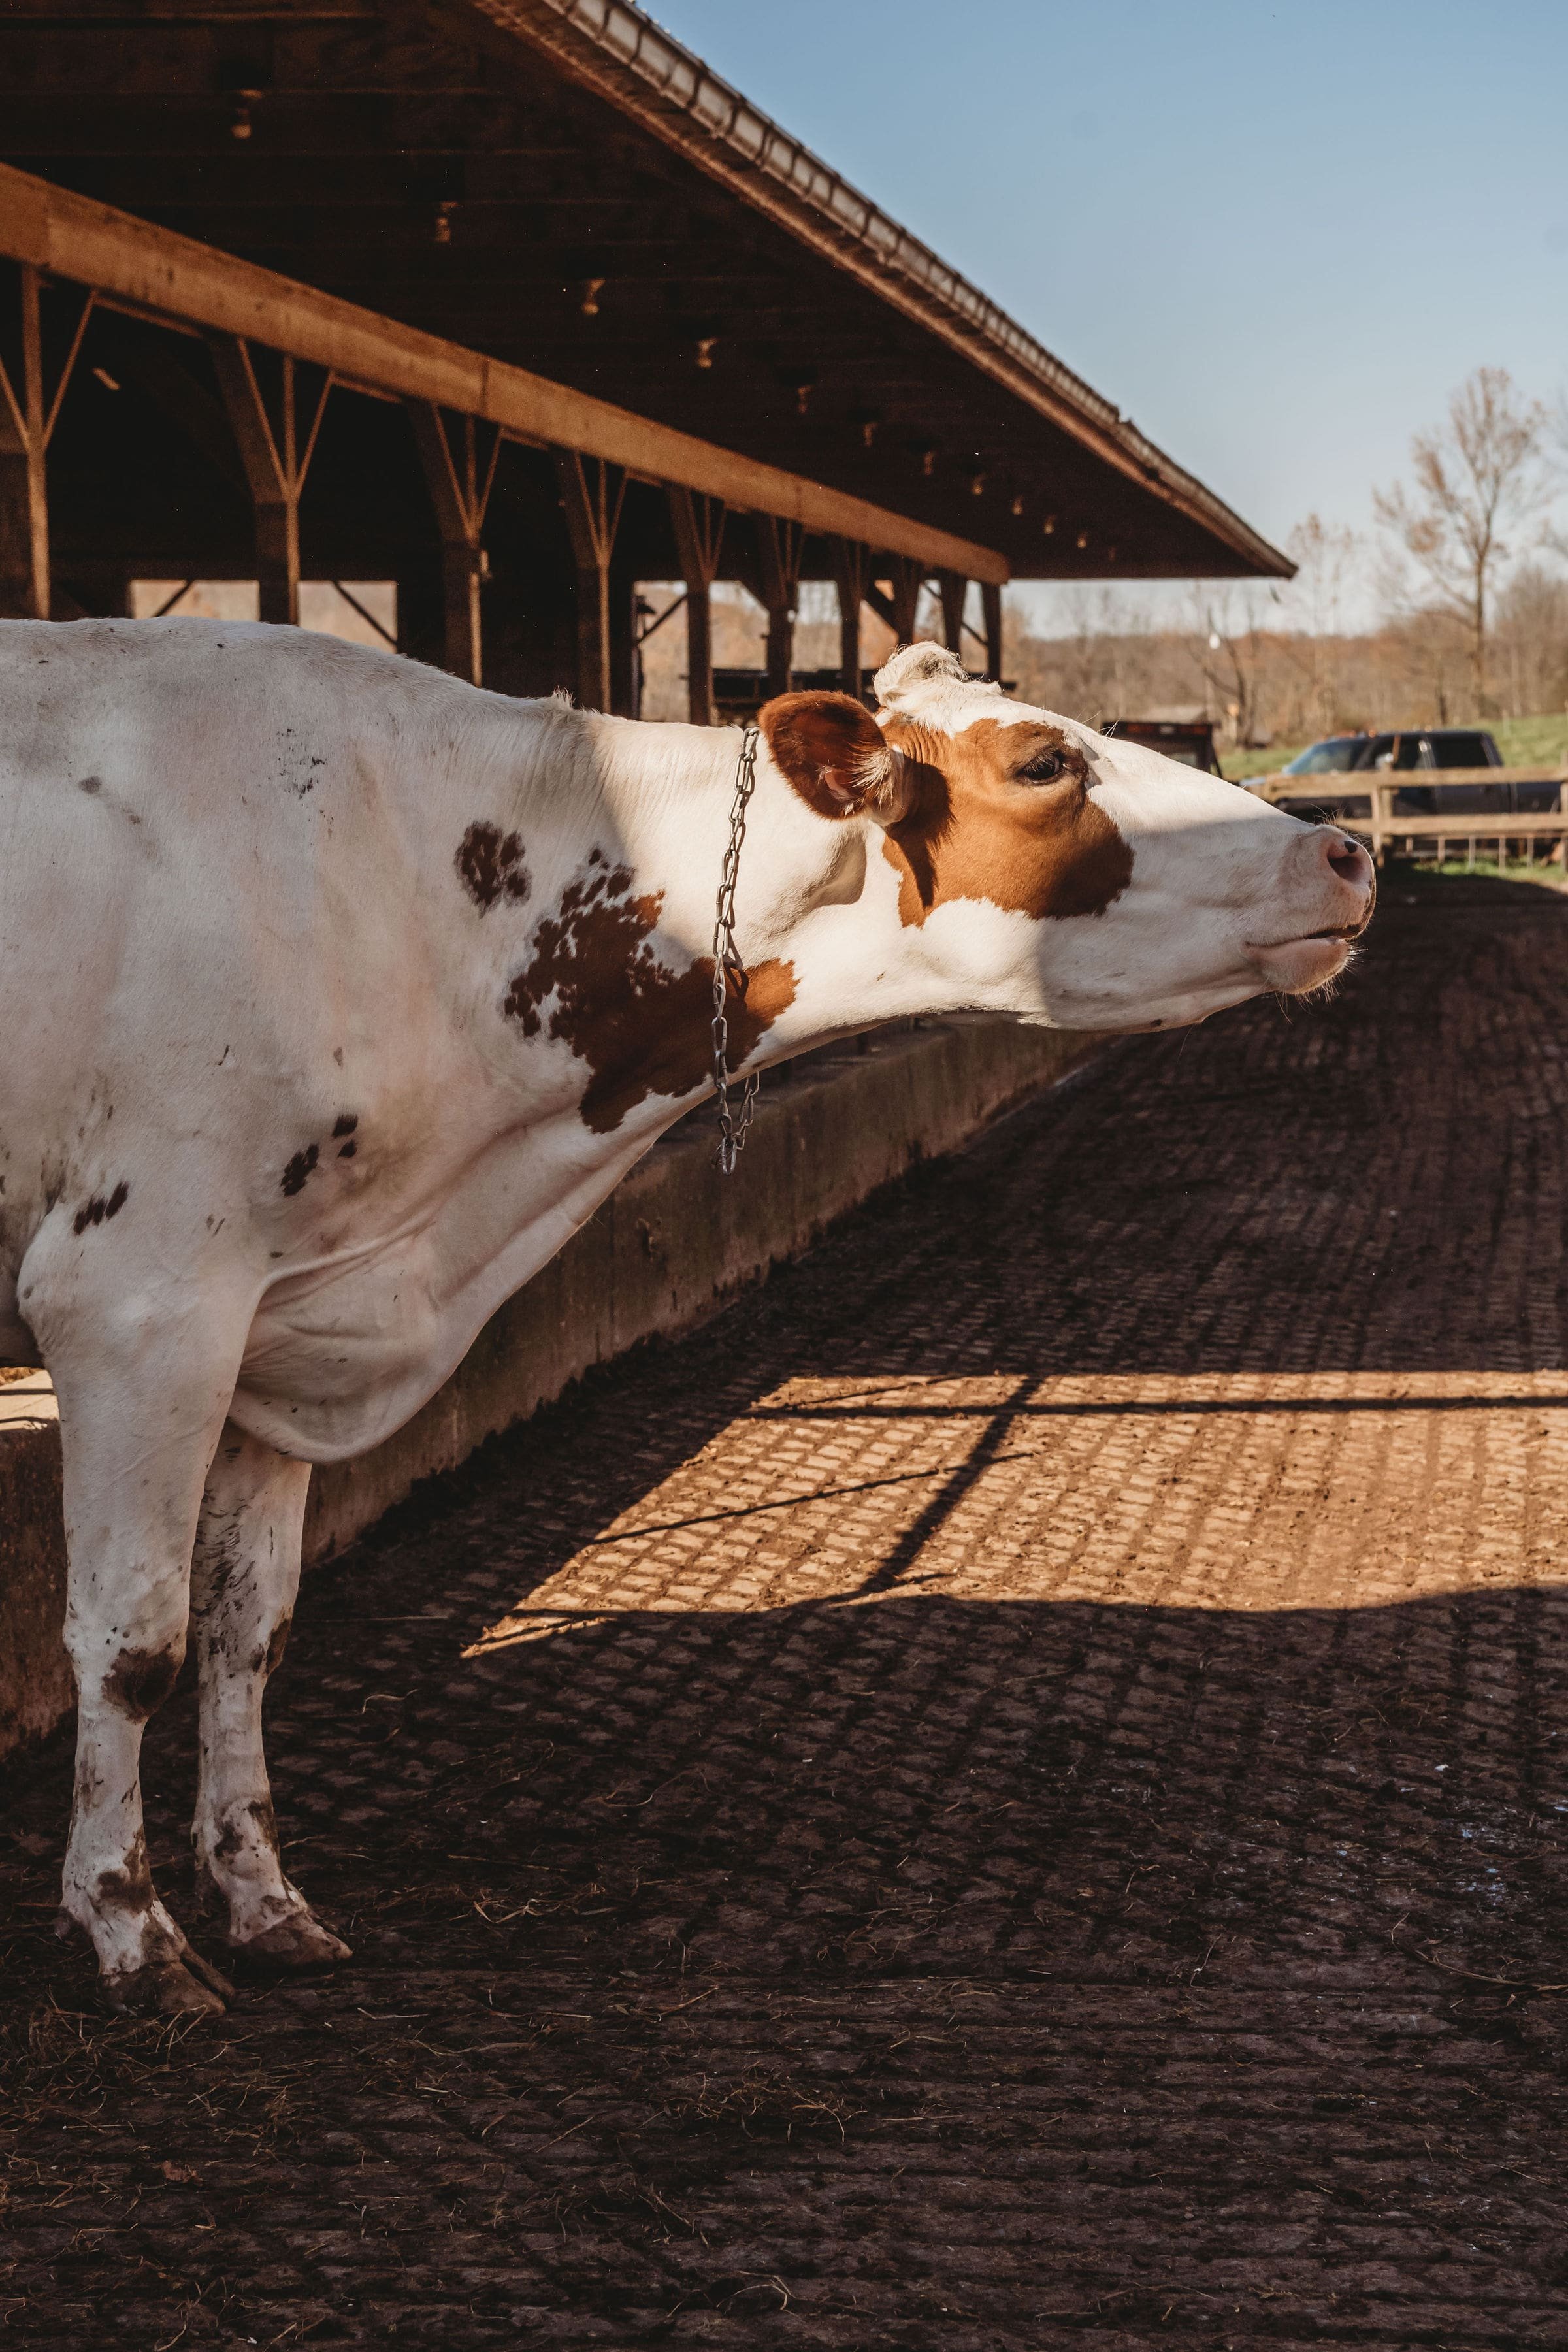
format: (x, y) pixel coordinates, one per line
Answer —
(1043, 769)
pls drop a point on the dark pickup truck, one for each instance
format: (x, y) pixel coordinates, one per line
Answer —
(1420, 754)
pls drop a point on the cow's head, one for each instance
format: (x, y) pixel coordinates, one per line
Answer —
(1066, 874)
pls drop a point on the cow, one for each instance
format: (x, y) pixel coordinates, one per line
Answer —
(335, 994)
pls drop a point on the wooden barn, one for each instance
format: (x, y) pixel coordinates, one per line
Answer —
(515, 305)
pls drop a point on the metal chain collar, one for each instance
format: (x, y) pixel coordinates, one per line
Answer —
(729, 971)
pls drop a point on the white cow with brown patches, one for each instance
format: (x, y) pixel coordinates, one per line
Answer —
(335, 995)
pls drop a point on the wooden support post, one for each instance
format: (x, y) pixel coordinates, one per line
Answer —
(24, 498)
(851, 570)
(27, 425)
(698, 526)
(460, 497)
(275, 466)
(593, 509)
(780, 545)
(954, 590)
(908, 578)
(991, 599)
(624, 678)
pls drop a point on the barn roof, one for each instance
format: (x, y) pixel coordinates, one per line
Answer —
(560, 185)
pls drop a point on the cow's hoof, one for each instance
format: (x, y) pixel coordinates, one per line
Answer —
(295, 1946)
(188, 1986)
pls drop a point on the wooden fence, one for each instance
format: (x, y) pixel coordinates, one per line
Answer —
(1388, 829)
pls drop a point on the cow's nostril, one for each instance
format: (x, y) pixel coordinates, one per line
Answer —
(1347, 858)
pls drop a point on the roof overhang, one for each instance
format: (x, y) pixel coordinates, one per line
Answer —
(619, 52)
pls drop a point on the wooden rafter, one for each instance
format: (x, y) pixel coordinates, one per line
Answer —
(156, 273)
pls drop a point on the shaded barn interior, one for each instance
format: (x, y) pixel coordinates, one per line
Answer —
(514, 303)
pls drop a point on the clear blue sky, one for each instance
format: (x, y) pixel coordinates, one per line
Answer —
(1276, 235)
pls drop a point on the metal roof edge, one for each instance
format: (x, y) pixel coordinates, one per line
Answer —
(621, 50)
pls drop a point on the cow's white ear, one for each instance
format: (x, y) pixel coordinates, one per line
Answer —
(836, 757)
(911, 667)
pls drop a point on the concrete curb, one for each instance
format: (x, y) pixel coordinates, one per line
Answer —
(667, 1249)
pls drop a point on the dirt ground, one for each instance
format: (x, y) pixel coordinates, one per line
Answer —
(1010, 1792)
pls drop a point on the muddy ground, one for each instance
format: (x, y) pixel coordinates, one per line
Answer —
(1010, 1792)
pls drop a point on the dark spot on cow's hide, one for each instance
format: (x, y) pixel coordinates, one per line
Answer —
(299, 1168)
(348, 1151)
(140, 1680)
(90, 785)
(490, 865)
(97, 1211)
(641, 1028)
(344, 1124)
(129, 1889)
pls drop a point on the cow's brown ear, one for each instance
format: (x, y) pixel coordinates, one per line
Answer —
(836, 757)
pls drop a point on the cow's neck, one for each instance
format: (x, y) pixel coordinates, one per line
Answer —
(615, 877)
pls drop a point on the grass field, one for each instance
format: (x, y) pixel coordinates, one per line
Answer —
(1403, 876)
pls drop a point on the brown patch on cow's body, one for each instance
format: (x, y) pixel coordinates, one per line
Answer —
(277, 1642)
(140, 1680)
(641, 1028)
(979, 829)
(490, 866)
(97, 1211)
(129, 1889)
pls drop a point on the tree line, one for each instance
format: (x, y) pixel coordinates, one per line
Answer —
(1462, 566)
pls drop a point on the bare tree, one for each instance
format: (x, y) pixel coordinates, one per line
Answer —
(1477, 482)
(1325, 555)
(1228, 643)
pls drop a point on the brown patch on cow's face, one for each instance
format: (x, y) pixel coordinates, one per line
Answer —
(140, 1680)
(1002, 812)
(490, 866)
(641, 1028)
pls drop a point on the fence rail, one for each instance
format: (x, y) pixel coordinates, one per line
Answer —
(1384, 828)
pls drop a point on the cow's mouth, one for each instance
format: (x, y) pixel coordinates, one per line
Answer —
(1295, 967)
(1305, 939)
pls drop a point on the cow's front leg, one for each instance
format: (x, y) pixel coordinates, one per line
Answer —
(245, 1576)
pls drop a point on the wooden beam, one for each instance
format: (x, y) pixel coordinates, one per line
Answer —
(780, 547)
(991, 599)
(460, 493)
(954, 588)
(592, 495)
(271, 470)
(851, 569)
(698, 526)
(127, 259)
(907, 580)
(24, 493)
